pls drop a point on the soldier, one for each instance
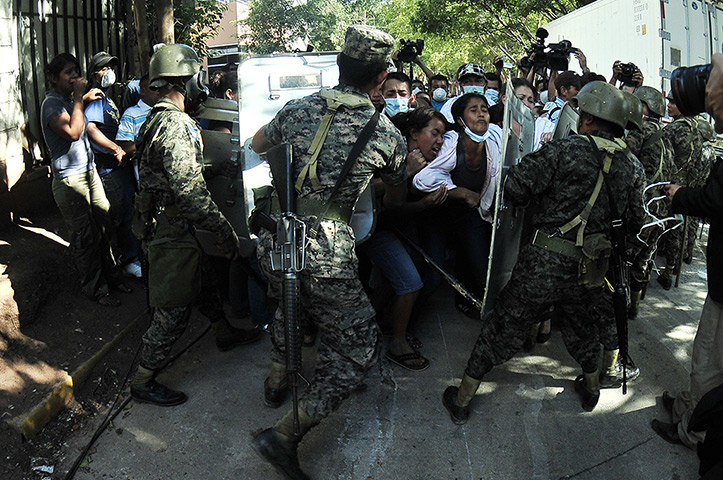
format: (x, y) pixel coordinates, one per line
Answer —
(331, 292)
(172, 202)
(687, 145)
(655, 152)
(562, 182)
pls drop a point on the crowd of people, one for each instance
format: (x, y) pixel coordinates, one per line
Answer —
(131, 187)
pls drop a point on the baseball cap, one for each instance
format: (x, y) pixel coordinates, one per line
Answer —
(100, 60)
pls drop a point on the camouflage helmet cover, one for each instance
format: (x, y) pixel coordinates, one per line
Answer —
(602, 100)
(653, 98)
(175, 60)
(368, 44)
(635, 109)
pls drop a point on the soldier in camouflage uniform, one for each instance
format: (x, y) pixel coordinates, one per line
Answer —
(653, 149)
(558, 181)
(331, 292)
(172, 202)
(687, 145)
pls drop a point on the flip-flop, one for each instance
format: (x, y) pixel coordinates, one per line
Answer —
(108, 301)
(403, 361)
(414, 342)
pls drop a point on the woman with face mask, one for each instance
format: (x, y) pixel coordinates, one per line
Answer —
(77, 190)
(115, 172)
(468, 166)
(424, 130)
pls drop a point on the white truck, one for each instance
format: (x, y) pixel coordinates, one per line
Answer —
(656, 35)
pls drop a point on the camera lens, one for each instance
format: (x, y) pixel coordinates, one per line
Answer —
(688, 87)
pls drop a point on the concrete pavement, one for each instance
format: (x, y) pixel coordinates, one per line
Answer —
(526, 419)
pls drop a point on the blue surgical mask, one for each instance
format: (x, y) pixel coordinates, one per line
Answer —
(476, 137)
(474, 89)
(396, 105)
(492, 96)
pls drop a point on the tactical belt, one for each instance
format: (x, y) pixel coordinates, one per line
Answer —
(314, 208)
(556, 244)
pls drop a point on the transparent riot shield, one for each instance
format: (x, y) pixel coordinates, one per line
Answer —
(566, 123)
(510, 223)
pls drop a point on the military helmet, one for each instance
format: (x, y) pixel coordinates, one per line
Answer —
(653, 98)
(705, 129)
(635, 107)
(175, 60)
(602, 100)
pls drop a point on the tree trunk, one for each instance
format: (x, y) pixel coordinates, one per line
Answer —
(164, 14)
(141, 23)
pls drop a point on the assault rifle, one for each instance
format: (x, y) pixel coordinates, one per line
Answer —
(289, 257)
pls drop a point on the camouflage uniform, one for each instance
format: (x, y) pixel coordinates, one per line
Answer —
(657, 160)
(170, 169)
(331, 292)
(687, 146)
(557, 181)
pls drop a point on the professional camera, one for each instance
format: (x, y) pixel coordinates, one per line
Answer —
(558, 55)
(410, 50)
(554, 56)
(627, 70)
(688, 87)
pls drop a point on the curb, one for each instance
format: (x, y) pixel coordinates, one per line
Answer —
(31, 424)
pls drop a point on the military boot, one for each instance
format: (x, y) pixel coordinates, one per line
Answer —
(145, 389)
(635, 296)
(278, 445)
(611, 375)
(457, 399)
(276, 386)
(228, 336)
(665, 279)
(587, 386)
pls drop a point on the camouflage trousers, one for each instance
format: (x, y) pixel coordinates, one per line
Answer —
(642, 262)
(540, 280)
(348, 337)
(169, 323)
(670, 242)
(607, 325)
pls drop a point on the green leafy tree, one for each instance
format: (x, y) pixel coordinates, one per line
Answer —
(197, 21)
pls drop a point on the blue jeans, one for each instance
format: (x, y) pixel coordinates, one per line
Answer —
(119, 186)
(464, 231)
(388, 253)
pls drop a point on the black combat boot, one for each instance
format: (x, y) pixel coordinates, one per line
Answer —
(280, 451)
(228, 336)
(587, 386)
(635, 296)
(157, 394)
(457, 399)
(665, 279)
(274, 396)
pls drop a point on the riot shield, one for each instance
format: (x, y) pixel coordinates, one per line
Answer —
(518, 136)
(566, 123)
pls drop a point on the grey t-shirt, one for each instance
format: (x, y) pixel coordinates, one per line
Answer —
(68, 158)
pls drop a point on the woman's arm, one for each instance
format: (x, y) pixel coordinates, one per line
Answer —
(70, 126)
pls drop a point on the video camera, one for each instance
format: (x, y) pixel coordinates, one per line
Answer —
(410, 49)
(688, 87)
(554, 56)
(627, 70)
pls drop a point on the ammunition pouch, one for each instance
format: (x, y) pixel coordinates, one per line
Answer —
(593, 256)
(144, 223)
(174, 257)
(313, 208)
(595, 259)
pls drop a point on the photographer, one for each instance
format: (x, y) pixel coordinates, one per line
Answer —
(567, 84)
(628, 74)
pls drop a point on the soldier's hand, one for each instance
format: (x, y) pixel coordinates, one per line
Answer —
(415, 162)
(670, 192)
(714, 92)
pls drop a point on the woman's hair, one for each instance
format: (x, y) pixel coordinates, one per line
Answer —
(417, 119)
(461, 103)
(222, 80)
(58, 63)
(523, 82)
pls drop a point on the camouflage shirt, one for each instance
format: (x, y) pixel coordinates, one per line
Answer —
(687, 150)
(171, 166)
(656, 157)
(331, 253)
(558, 180)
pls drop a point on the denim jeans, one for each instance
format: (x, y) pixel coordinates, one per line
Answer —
(388, 253)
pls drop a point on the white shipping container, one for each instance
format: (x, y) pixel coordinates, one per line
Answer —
(656, 35)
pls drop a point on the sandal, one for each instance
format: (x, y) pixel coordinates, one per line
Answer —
(403, 360)
(108, 301)
(123, 288)
(414, 342)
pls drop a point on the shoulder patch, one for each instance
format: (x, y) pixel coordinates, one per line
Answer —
(193, 131)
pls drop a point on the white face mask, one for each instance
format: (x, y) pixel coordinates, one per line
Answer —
(439, 94)
(474, 89)
(396, 105)
(475, 137)
(107, 79)
(492, 96)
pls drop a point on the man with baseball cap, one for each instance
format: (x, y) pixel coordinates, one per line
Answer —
(322, 128)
